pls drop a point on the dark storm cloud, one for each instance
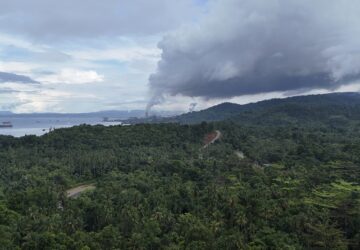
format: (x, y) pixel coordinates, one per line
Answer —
(54, 19)
(10, 77)
(248, 47)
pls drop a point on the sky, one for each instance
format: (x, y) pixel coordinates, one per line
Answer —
(90, 55)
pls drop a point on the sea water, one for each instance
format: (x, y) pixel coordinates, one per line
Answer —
(41, 125)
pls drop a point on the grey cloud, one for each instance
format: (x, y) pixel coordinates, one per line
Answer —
(53, 19)
(126, 102)
(249, 47)
(8, 91)
(10, 77)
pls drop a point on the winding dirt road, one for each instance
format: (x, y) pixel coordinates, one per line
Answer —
(213, 140)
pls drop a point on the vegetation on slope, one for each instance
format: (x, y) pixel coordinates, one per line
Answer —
(158, 188)
(333, 106)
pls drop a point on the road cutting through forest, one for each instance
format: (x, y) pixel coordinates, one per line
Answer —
(212, 138)
(76, 191)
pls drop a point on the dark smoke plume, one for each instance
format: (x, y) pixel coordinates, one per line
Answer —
(248, 47)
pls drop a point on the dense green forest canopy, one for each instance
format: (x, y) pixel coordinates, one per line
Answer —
(284, 175)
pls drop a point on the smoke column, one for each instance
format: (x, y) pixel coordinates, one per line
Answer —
(246, 47)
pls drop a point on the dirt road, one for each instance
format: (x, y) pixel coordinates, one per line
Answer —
(76, 191)
(216, 137)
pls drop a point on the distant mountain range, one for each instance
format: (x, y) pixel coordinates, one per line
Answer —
(305, 108)
(118, 114)
(311, 108)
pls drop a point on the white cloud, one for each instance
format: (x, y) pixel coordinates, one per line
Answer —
(19, 87)
(72, 76)
(66, 45)
(45, 100)
(11, 40)
(36, 102)
(18, 67)
(126, 54)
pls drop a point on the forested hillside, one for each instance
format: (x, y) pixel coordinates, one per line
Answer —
(300, 107)
(280, 177)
